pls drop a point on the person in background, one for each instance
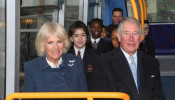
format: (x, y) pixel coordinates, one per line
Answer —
(117, 15)
(126, 69)
(97, 42)
(79, 35)
(147, 45)
(114, 38)
(104, 35)
(54, 70)
(104, 32)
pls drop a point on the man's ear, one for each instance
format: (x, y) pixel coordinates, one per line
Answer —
(71, 39)
(119, 37)
(141, 38)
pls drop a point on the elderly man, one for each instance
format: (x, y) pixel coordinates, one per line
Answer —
(125, 69)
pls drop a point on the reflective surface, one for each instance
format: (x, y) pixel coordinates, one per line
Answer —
(158, 11)
(161, 10)
(2, 49)
(34, 13)
(71, 12)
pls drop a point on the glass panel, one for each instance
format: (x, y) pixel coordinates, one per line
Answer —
(34, 13)
(157, 10)
(95, 7)
(91, 11)
(161, 10)
(71, 12)
(130, 10)
(2, 49)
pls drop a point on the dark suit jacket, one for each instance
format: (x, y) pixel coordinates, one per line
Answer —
(112, 74)
(148, 46)
(103, 46)
(110, 28)
(90, 55)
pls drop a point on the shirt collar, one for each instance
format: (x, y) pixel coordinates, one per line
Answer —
(114, 23)
(97, 40)
(51, 64)
(127, 56)
(82, 51)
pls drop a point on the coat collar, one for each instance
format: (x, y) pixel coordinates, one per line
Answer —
(65, 62)
(86, 53)
(143, 79)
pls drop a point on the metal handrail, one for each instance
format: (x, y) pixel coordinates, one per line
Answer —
(142, 15)
(135, 11)
(54, 95)
(145, 14)
(134, 8)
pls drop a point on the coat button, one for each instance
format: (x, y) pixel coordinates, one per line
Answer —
(63, 73)
(63, 84)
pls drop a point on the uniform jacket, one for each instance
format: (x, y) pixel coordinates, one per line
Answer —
(148, 46)
(110, 28)
(103, 46)
(112, 74)
(88, 60)
(69, 77)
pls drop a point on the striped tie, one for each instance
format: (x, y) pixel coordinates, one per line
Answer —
(79, 53)
(95, 42)
(133, 69)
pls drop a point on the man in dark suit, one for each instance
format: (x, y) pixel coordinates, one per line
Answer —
(125, 69)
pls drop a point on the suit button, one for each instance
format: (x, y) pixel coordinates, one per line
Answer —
(63, 73)
(63, 84)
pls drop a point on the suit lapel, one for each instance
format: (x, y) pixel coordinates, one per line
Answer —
(124, 70)
(43, 63)
(85, 54)
(142, 63)
(99, 44)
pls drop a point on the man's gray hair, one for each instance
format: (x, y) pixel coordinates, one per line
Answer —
(129, 19)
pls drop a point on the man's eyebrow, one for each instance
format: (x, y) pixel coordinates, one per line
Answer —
(75, 34)
(126, 31)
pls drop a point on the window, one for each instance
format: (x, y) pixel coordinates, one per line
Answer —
(161, 10)
(158, 11)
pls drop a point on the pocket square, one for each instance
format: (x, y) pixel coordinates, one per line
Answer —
(152, 75)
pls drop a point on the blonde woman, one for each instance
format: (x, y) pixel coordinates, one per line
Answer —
(54, 70)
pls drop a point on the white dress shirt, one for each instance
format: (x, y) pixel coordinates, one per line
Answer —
(97, 40)
(127, 57)
(82, 51)
(51, 64)
(133, 70)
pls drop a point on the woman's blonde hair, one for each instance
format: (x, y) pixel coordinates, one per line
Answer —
(51, 29)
